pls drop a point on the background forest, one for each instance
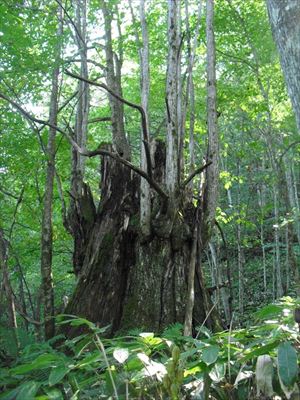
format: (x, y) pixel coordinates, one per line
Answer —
(54, 54)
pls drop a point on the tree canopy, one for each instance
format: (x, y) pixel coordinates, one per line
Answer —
(149, 181)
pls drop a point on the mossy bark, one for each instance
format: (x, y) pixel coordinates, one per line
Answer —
(127, 280)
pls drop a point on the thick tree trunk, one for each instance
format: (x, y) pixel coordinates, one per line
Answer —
(126, 282)
(129, 280)
(284, 17)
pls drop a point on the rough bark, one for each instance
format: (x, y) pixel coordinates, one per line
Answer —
(109, 255)
(284, 17)
(126, 282)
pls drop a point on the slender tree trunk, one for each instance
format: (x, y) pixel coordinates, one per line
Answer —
(11, 309)
(145, 206)
(261, 202)
(113, 77)
(208, 207)
(46, 238)
(287, 259)
(279, 290)
(171, 95)
(240, 268)
(212, 172)
(240, 250)
(188, 320)
(190, 92)
(23, 301)
(82, 211)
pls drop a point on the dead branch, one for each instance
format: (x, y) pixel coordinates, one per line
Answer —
(196, 172)
(88, 153)
(130, 104)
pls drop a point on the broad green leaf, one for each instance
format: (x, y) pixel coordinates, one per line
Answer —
(269, 311)
(53, 394)
(218, 372)
(89, 359)
(43, 361)
(210, 354)
(264, 375)
(10, 395)
(57, 374)
(287, 364)
(28, 391)
(258, 351)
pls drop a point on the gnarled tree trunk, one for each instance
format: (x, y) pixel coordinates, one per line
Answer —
(126, 282)
(129, 279)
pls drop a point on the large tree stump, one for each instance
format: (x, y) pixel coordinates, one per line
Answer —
(128, 280)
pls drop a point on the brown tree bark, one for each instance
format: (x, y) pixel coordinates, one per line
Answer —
(128, 280)
(284, 17)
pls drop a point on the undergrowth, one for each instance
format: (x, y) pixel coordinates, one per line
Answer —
(256, 362)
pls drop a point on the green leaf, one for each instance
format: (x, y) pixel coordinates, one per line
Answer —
(89, 359)
(218, 372)
(28, 390)
(262, 349)
(210, 354)
(9, 395)
(264, 375)
(287, 364)
(43, 361)
(53, 394)
(57, 374)
(269, 311)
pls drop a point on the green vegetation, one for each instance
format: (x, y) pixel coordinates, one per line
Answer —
(78, 246)
(240, 364)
